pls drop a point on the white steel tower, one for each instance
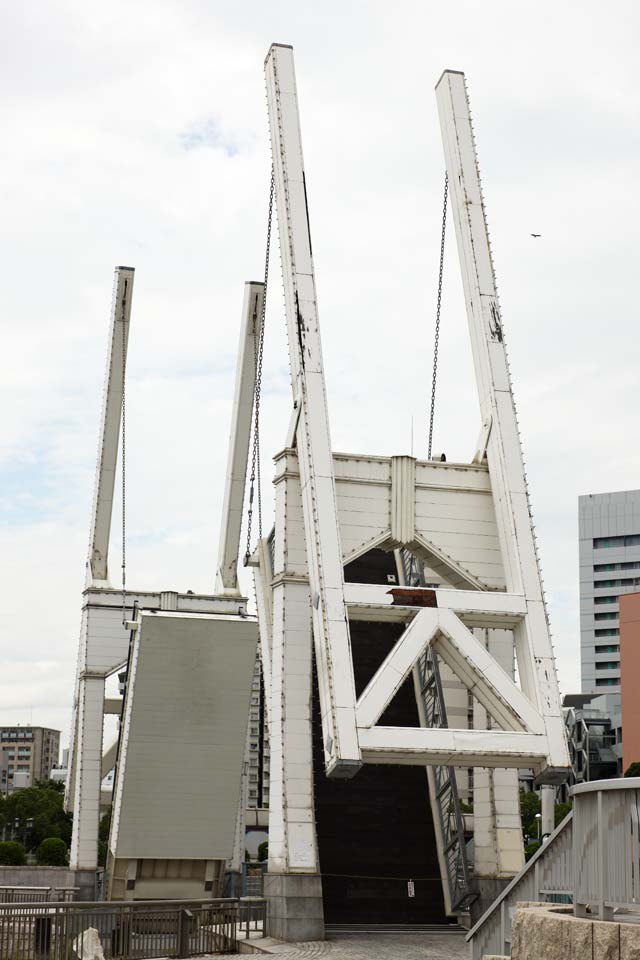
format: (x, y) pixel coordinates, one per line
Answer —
(470, 522)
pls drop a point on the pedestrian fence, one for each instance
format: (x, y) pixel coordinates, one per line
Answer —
(130, 930)
(37, 894)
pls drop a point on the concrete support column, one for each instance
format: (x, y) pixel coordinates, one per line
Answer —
(498, 845)
(84, 842)
(548, 803)
(293, 884)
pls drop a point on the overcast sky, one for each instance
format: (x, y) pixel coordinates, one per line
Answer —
(136, 133)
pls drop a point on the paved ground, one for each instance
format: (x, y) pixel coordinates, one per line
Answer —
(378, 946)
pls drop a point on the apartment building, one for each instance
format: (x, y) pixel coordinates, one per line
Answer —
(30, 752)
(258, 748)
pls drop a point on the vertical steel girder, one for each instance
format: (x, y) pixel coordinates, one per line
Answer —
(536, 665)
(324, 554)
(110, 426)
(239, 439)
(347, 736)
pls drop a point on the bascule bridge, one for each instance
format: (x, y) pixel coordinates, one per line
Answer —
(403, 632)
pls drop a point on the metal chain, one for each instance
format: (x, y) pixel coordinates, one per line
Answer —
(439, 303)
(258, 342)
(124, 456)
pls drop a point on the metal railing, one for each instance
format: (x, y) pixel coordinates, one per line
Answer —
(24, 894)
(448, 824)
(547, 876)
(133, 930)
(606, 846)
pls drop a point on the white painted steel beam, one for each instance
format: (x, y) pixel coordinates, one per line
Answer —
(98, 570)
(109, 759)
(536, 665)
(484, 676)
(324, 554)
(459, 748)
(392, 673)
(466, 656)
(239, 440)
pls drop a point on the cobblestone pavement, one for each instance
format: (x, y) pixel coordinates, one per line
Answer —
(379, 946)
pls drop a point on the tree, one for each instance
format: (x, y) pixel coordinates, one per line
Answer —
(263, 851)
(531, 848)
(560, 811)
(529, 807)
(104, 826)
(37, 813)
(12, 853)
(52, 852)
(633, 770)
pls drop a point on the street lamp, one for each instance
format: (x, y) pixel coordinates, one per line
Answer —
(538, 819)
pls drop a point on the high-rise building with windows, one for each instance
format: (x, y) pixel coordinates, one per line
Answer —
(31, 753)
(609, 531)
(258, 747)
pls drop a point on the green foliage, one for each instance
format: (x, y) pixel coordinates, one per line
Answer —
(529, 806)
(37, 813)
(52, 852)
(263, 851)
(530, 849)
(105, 826)
(12, 854)
(560, 811)
(56, 785)
(633, 770)
(465, 807)
(102, 853)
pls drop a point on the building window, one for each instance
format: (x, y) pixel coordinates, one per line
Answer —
(609, 615)
(605, 599)
(625, 565)
(607, 632)
(607, 682)
(608, 648)
(630, 540)
(608, 665)
(619, 582)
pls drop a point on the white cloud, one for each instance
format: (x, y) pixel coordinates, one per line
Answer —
(98, 103)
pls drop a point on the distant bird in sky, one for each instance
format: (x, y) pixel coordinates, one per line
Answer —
(536, 234)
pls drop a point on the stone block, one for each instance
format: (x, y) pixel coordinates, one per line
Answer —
(297, 907)
(292, 885)
(581, 938)
(540, 935)
(294, 906)
(629, 941)
(606, 940)
(295, 929)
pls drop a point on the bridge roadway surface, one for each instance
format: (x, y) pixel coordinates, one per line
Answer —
(428, 943)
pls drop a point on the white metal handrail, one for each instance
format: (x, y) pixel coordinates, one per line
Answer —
(606, 846)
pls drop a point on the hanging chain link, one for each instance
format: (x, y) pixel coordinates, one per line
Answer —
(123, 319)
(437, 336)
(258, 344)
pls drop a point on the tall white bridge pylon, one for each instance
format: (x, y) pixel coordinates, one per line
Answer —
(468, 522)
(189, 661)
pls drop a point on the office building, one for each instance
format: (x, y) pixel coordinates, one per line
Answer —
(593, 725)
(31, 753)
(630, 676)
(609, 531)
